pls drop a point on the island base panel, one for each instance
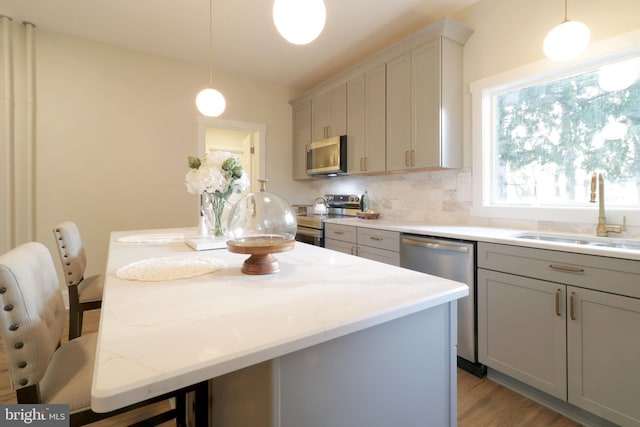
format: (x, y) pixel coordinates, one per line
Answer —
(400, 373)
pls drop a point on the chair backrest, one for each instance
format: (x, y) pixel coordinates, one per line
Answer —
(71, 250)
(32, 313)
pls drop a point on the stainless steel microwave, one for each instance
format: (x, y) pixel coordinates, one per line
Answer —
(327, 157)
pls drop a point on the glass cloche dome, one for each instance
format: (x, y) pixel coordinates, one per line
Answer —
(261, 224)
(262, 214)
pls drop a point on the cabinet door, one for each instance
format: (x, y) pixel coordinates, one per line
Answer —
(603, 354)
(366, 121)
(376, 119)
(301, 138)
(337, 111)
(355, 125)
(521, 329)
(329, 113)
(425, 105)
(399, 112)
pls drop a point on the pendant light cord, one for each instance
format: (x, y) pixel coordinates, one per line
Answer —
(565, 11)
(211, 43)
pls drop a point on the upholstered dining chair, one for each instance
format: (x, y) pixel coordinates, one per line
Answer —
(85, 293)
(32, 318)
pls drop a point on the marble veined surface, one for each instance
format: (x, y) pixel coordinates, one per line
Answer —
(159, 336)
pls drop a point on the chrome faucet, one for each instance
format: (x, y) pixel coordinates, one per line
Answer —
(603, 229)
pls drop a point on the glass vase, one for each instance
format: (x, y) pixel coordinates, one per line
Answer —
(214, 208)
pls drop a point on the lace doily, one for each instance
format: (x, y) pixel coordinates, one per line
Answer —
(169, 268)
(152, 238)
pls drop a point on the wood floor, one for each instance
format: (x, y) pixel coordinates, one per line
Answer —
(481, 402)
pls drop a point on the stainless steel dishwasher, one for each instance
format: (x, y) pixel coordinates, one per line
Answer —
(454, 260)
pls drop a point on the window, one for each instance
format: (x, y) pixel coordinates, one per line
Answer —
(543, 135)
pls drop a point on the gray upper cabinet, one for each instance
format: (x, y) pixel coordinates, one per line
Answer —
(424, 107)
(329, 113)
(366, 121)
(301, 137)
(401, 109)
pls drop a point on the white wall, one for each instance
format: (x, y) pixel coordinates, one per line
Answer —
(114, 131)
(507, 34)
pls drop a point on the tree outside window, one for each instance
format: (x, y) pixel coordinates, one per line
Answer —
(551, 136)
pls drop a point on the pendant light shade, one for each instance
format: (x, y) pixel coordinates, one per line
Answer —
(299, 21)
(210, 102)
(618, 76)
(567, 40)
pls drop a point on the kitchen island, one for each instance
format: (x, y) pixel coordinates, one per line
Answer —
(348, 341)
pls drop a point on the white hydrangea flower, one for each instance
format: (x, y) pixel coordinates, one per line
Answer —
(217, 172)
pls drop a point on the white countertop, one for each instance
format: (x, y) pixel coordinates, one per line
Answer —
(494, 235)
(159, 336)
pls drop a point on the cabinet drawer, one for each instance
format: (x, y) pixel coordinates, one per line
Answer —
(613, 275)
(381, 239)
(340, 246)
(345, 233)
(382, 255)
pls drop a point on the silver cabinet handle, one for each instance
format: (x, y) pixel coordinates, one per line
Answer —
(338, 232)
(567, 268)
(437, 246)
(376, 238)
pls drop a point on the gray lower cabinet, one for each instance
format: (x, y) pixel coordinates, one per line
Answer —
(564, 324)
(377, 245)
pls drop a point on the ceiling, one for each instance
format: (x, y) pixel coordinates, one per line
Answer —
(245, 39)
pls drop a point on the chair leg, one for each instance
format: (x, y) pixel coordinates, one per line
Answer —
(181, 410)
(74, 312)
(74, 328)
(80, 317)
(202, 404)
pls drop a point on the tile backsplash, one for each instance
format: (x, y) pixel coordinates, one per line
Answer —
(440, 197)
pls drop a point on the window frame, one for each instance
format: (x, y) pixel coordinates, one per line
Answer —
(617, 48)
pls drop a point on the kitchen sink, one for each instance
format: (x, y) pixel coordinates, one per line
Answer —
(624, 244)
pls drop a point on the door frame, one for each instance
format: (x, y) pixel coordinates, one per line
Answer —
(257, 129)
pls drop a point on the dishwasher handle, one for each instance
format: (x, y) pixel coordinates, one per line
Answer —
(435, 244)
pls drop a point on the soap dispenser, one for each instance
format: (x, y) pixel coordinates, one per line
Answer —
(365, 201)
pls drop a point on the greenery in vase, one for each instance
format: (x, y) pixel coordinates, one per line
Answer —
(217, 175)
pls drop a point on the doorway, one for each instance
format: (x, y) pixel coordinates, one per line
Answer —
(245, 140)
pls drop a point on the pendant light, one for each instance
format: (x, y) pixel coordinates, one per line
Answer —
(209, 101)
(567, 40)
(299, 21)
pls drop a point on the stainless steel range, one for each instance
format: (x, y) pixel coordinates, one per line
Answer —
(311, 225)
